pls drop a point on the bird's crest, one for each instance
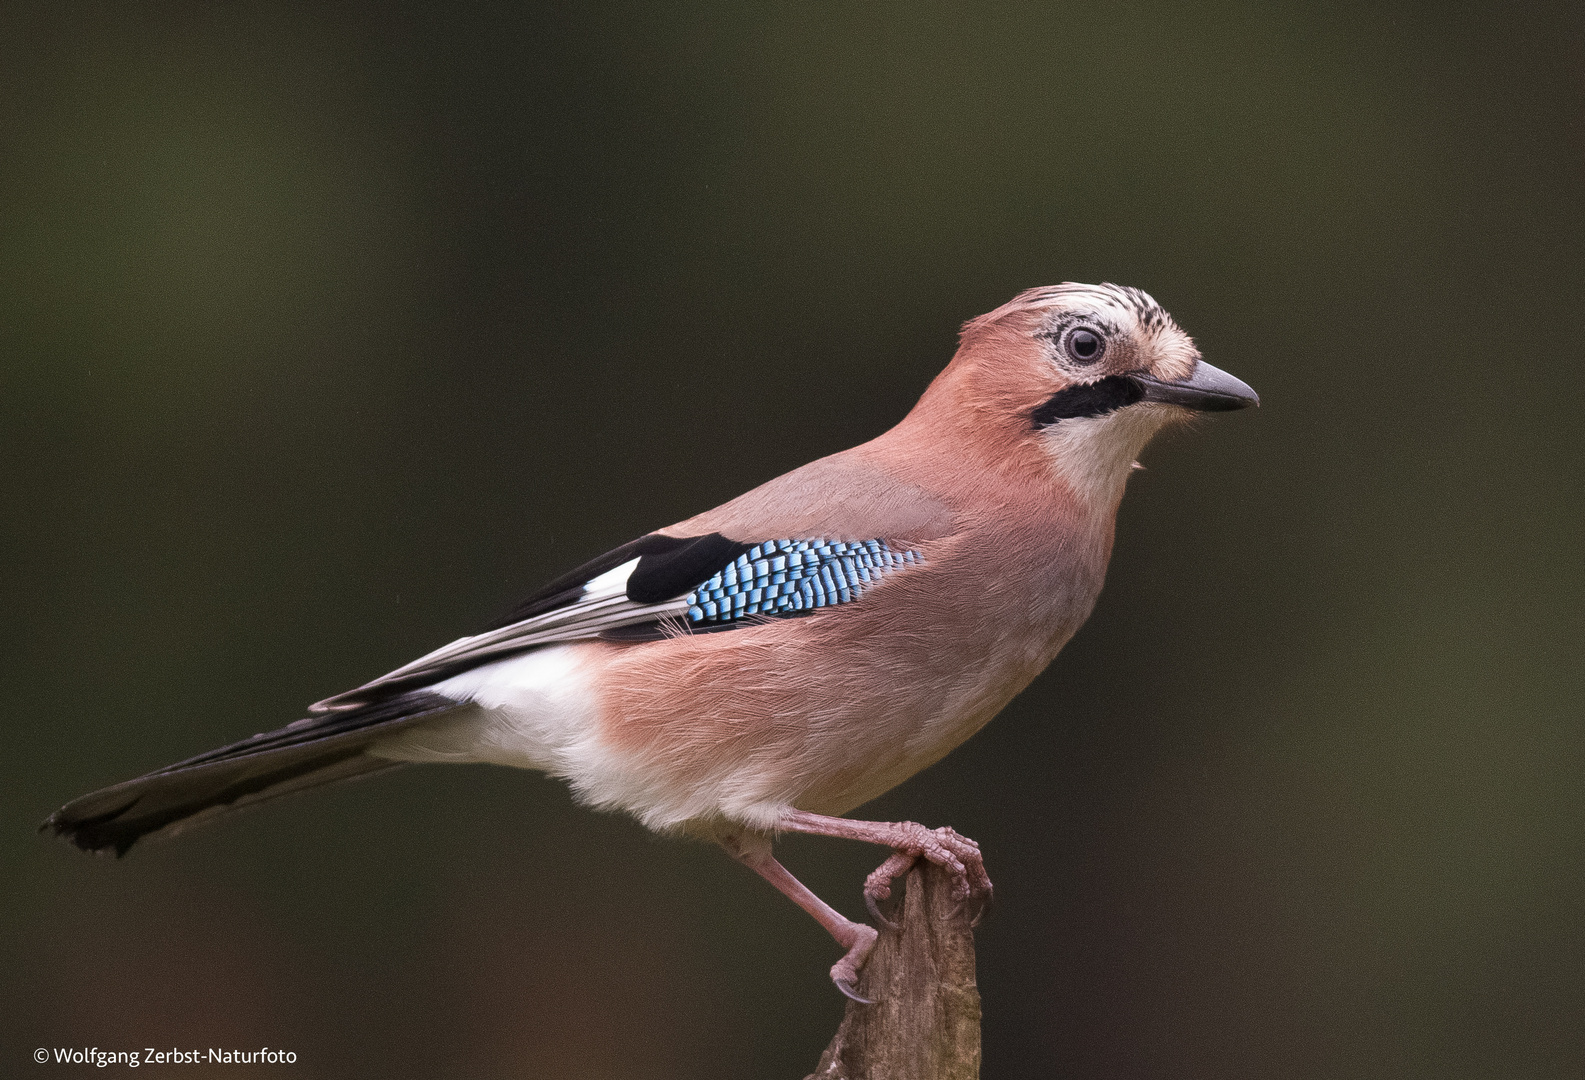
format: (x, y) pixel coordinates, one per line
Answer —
(1151, 316)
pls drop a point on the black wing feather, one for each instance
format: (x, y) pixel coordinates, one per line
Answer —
(666, 574)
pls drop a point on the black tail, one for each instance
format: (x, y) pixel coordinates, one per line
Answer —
(319, 750)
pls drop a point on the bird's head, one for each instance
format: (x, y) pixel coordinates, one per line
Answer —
(1080, 377)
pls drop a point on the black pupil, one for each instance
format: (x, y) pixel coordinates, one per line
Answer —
(1084, 344)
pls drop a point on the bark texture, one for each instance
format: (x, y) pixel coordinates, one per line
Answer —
(925, 1020)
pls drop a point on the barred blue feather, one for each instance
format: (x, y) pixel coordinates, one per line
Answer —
(788, 577)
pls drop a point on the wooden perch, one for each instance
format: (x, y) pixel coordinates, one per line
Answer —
(925, 1020)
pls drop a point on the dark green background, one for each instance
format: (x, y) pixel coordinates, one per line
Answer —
(329, 331)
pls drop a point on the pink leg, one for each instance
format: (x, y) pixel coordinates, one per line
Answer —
(909, 841)
(754, 852)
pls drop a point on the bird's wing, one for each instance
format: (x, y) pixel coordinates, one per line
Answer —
(659, 586)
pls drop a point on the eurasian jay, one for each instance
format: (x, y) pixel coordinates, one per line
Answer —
(772, 663)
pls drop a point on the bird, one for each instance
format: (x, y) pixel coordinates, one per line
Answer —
(770, 665)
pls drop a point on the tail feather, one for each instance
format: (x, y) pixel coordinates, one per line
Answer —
(306, 754)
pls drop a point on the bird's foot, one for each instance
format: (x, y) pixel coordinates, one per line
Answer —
(753, 850)
(845, 972)
(944, 847)
(878, 886)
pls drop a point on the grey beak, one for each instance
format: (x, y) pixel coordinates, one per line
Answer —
(1209, 389)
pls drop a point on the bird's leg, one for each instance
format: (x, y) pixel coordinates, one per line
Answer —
(909, 841)
(753, 851)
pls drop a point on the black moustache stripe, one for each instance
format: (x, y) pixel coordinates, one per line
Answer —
(1088, 399)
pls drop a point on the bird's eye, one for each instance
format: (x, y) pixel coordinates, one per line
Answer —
(1083, 346)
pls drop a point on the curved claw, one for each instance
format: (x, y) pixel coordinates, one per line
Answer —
(878, 886)
(845, 972)
(875, 913)
(850, 992)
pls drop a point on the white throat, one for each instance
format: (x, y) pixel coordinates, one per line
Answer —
(1093, 455)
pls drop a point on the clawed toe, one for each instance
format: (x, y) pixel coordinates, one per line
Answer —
(945, 847)
(878, 886)
(874, 907)
(849, 991)
(958, 856)
(845, 972)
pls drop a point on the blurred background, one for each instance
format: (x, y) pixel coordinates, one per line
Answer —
(328, 331)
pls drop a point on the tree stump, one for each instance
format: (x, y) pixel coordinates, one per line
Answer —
(925, 1020)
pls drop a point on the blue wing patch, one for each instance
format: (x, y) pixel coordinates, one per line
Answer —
(789, 577)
